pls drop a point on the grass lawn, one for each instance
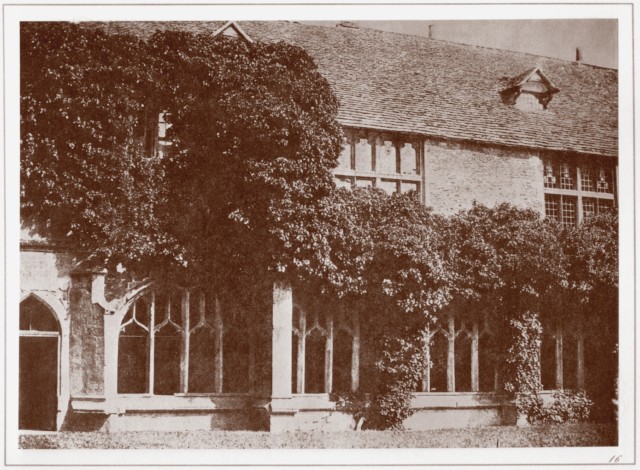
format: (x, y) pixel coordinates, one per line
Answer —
(566, 435)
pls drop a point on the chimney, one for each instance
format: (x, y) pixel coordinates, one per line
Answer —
(430, 31)
(578, 55)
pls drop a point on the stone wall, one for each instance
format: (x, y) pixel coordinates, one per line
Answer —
(42, 270)
(459, 173)
(86, 346)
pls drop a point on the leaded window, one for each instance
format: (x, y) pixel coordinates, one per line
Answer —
(460, 355)
(386, 161)
(325, 348)
(174, 340)
(577, 188)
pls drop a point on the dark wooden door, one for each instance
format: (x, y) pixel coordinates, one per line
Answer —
(38, 382)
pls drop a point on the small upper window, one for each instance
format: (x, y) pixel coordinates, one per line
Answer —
(529, 91)
(232, 30)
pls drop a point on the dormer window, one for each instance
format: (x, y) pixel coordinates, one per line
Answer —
(529, 91)
(549, 178)
(232, 30)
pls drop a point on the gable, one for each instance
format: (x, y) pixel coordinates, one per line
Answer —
(232, 30)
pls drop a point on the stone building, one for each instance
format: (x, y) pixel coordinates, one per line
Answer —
(455, 122)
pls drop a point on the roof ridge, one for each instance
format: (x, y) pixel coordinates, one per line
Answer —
(454, 43)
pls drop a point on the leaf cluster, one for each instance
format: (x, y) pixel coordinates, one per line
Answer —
(253, 135)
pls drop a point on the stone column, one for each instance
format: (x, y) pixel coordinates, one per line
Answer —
(451, 356)
(152, 343)
(282, 414)
(475, 375)
(355, 354)
(87, 340)
(302, 356)
(426, 377)
(328, 356)
(184, 347)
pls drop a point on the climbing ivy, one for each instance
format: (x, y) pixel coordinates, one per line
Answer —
(245, 192)
(522, 363)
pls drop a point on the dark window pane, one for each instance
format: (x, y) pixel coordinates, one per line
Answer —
(438, 355)
(552, 207)
(567, 176)
(169, 307)
(551, 174)
(463, 363)
(568, 211)
(36, 316)
(202, 350)
(342, 346)
(314, 363)
(604, 180)
(548, 362)
(236, 362)
(487, 363)
(168, 342)
(133, 361)
(587, 178)
(569, 362)
(588, 207)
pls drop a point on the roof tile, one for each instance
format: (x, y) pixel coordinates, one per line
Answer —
(436, 88)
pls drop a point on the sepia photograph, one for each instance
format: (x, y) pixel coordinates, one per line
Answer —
(319, 233)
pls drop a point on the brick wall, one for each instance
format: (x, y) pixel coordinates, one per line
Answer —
(458, 174)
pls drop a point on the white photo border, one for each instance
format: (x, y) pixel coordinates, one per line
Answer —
(13, 14)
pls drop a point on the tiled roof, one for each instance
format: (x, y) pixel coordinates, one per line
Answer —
(418, 85)
(524, 77)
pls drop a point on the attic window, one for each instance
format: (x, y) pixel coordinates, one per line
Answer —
(232, 30)
(529, 91)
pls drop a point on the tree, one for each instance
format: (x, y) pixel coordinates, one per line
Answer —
(386, 257)
(592, 291)
(85, 177)
(253, 134)
(512, 259)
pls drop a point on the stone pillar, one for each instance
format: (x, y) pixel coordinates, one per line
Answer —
(355, 354)
(302, 356)
(111, 332)
(152, 343)
(426, 377)
(559, 371)
(328, 355)
(184, 347)
(475, 375)
(282, 414)
(451, 356)
(86, 339)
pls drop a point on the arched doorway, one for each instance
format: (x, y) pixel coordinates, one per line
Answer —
(39, 366)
